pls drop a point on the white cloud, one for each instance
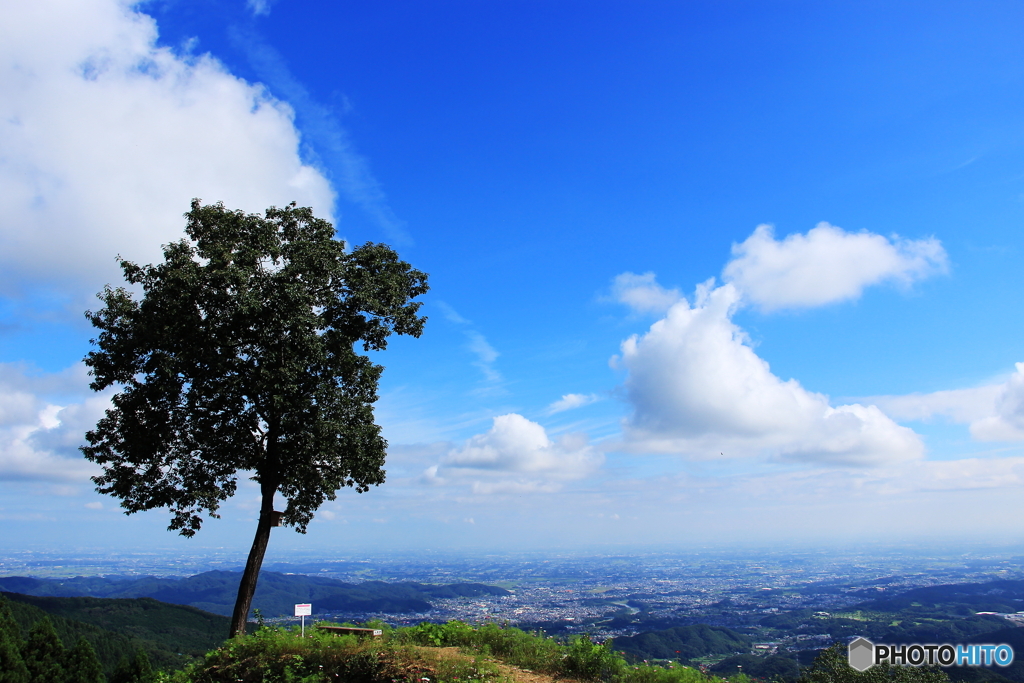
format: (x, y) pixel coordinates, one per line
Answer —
(516, 456)
(39, 439)
(697, 388)
(571, 401)
(994, 412)
(1007, 422)
(826, 265)
(105, 137)
(258, 7)
(959, 405)
(485, 355)
(642, 293)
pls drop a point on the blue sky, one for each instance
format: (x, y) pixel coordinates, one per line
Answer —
(702, 272)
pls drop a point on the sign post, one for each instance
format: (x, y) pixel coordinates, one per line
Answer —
(304, 610)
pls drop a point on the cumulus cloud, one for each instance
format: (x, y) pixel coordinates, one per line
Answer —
(642, 293)
(105, 137)
(516, 455)
(39, 439)
(698, 388)
(571, 401)
(826, 265)
(994, 412)
(1007, 421)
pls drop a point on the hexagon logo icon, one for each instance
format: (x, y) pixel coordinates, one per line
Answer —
(861, 654)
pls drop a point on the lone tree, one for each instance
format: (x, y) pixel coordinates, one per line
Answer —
(240, 355)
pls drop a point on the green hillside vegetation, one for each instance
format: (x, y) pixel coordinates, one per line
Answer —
(955, 599)
(276, 595)
(109, 647)
(443, 653)
(770, 668)
(683, 643)
(169, 633)
(831, 667)
(459, 653)
(41, 655)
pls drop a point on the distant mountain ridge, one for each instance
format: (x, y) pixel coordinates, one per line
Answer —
(276, 594)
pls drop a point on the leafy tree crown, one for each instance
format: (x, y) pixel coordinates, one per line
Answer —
(242, 354)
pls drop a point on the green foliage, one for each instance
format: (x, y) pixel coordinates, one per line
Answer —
(116, 628)
(174, 628)
(683, 643)
(12, 666)
(831, 666)
(81, 664)
(512, 645)
(673, 673)
(134, 670)
(772, 667)
(411, 654)
(276, 655)
(591, 661)
(240, 356)
(43, 654)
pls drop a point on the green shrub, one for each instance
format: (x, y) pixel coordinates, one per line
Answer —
(276, 655)
(411, 654)
(657, 674)
(591, 661)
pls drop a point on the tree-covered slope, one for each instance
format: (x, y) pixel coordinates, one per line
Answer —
(683, 643)
(176, 628)
(129, 627)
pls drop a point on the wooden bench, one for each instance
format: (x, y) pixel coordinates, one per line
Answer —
(345, 630)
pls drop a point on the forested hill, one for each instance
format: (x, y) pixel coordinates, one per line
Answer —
(276, 594)
(991, 596)
(169, 634)
(683, 643)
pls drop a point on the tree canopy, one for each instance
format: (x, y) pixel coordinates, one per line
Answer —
(242, 354)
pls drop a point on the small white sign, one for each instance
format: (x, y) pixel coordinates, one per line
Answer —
(304, 610)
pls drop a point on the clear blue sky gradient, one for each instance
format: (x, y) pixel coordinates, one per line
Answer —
(526, 153)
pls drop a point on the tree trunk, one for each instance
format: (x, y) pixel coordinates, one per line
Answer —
(247, 586)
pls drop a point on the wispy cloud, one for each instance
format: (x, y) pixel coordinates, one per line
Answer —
(486, 355)
(259, 8)
(643, 294)
(349, 170)
(571, 401)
